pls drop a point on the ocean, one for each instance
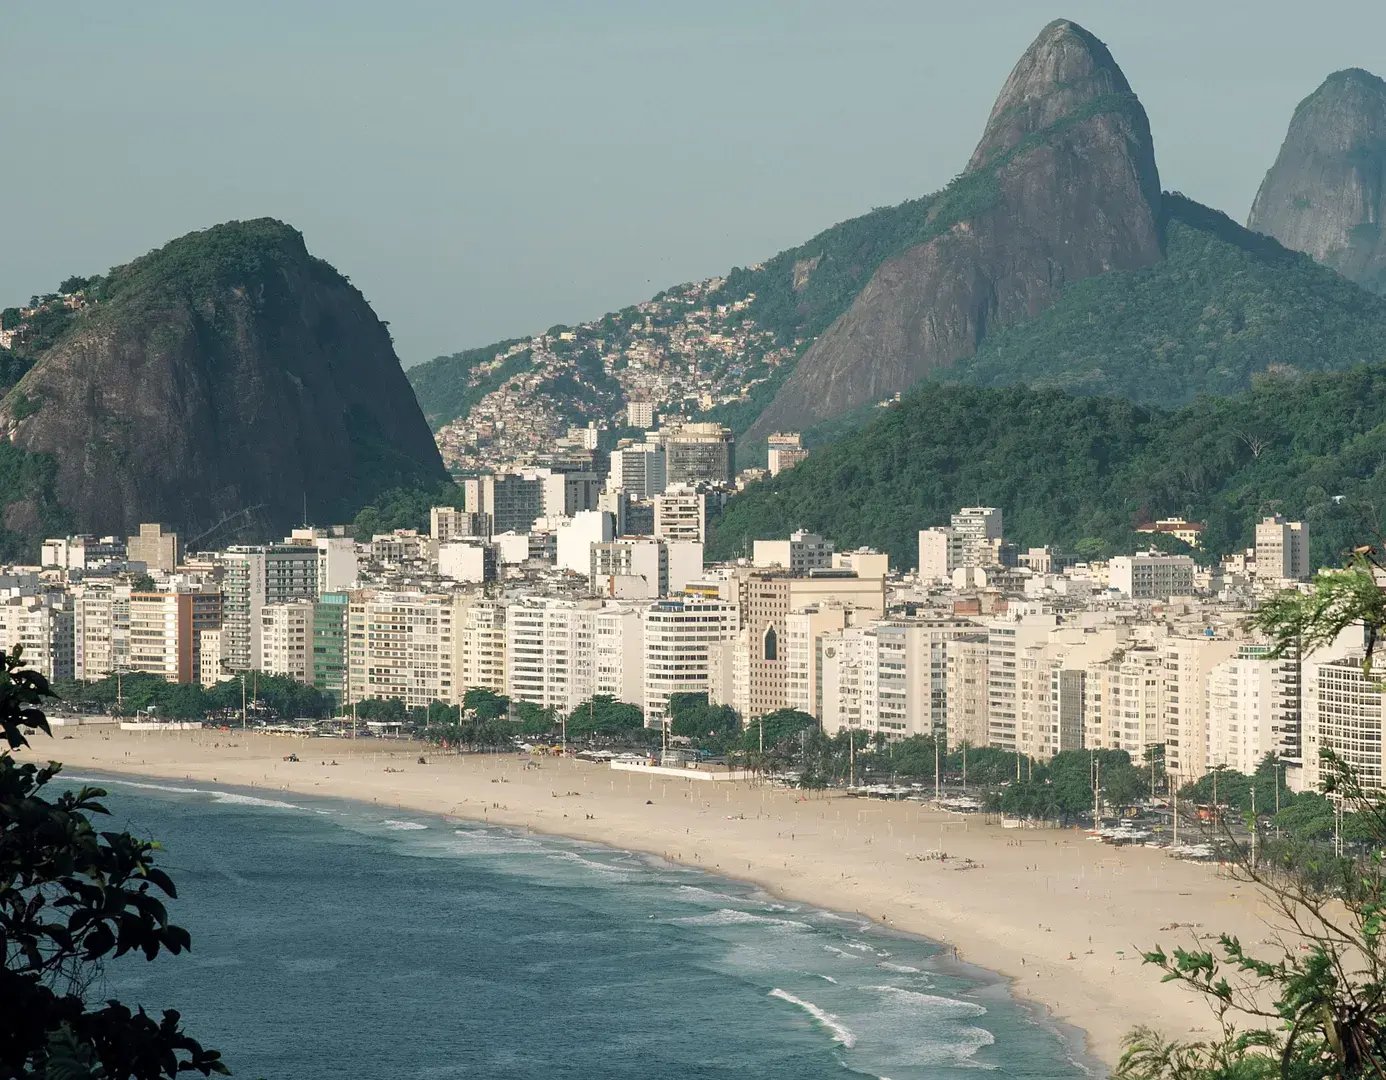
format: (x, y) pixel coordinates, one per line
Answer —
(333, 939)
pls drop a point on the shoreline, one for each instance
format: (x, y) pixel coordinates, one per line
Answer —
(1042, 909)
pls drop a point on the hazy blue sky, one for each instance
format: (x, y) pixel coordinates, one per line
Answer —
(487, 170)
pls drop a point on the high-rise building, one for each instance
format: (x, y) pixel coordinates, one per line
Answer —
(784, 449)
(698, 453)
(483, 644)
(1282, 550)
(101, 629)
(42, 624)
(166, 631)
(156, 547)
(638, 469)
(404, 645)
(678, 636)
(329, 660)
(561, 652)
(286, 640)
(447, 523)
(681, 514)
(636, 567)
(1344, 712)
(640, 413)
(256, 575)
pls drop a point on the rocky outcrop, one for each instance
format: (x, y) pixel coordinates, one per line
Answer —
(1062, 186)
(1326, 193)
(224, 384)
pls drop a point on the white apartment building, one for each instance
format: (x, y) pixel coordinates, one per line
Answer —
(1189, 663)
(1343, 712)
(1282, 550)
(681, 514)
(842, 659)
(1245, 698)
(1006, 640)
(42, 625)
(483, 644)
(471, 561)
(101, 629)
(634, 567)
(561, 652)
(895, 679)
(404, 645)
(286, 640)
(1125, 700)
(802, 552)
(577, 534)
(1150, 575)
(678, 636)
(640, 414)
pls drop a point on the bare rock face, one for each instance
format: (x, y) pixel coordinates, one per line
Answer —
(1326, 193)
(1062, 186)
(223, 384)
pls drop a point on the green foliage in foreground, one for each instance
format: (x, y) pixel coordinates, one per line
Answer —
(1314, 1006)
(1080, 472)
(72, 898)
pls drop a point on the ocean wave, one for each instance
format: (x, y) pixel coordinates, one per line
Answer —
(595, 865)
(903, 969)
(938, 1007)
(736, 917)
(842, 953)
(826, 978)
(697, 892)
(841, 1032)
(226, 797)
(403, 826)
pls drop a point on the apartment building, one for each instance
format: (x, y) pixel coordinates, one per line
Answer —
(403, 645)
(166, 630)
(698, 453)
(1150, 575)
(329, 661)
(156, 547)
(1344, 713)
(483, 644)
(1282, 550)
(784, 450)
(256, 575)
(638, 469)
(678, 637)
(561, 652)
(448, 523)
(802, 552)
(966, 680)
(681, 514)
(101, 629)
(286, 640)
(42, 625)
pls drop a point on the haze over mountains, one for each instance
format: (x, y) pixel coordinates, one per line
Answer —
(1326, 193)
(1053, 259)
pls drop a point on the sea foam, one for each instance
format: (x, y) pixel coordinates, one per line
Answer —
(841, 1032)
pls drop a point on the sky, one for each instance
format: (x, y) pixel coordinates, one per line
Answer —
(486, 170)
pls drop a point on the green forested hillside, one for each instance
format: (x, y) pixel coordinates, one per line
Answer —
(1080, 471)
(1223, 305)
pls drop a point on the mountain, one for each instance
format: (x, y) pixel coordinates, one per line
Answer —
(1053, 259)
(1062, 186)
(224, 384)
(1080, 472)
(1326, 193)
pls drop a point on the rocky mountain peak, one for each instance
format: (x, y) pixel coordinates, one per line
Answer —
(1326, 193)
(1064, 70)
(1063, 186)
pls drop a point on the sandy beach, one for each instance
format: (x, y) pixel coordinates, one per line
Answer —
(1064, 917)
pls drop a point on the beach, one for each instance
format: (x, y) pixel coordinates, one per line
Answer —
(1063, 917)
